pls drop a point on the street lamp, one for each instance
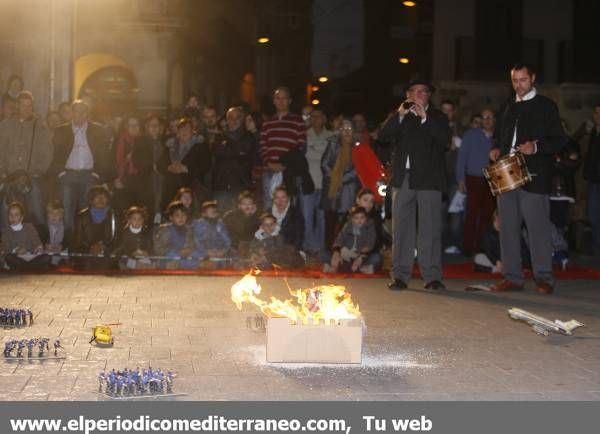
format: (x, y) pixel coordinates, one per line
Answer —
(315, 102)
(263, 40)
(404, 60)
(410, 4)
(323, 79)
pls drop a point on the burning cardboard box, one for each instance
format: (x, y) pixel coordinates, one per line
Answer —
(318, 325)
(336, 342)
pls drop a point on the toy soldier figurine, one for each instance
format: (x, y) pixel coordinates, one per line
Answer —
(20, 348)
(56, 346)
(8, 347)
(101, 380)
(169, 382)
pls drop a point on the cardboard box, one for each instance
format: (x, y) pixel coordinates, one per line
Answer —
(339, 342)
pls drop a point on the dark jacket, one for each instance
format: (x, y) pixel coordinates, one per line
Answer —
(197, 160)
(276, 251)
(27, 238)
(44, 233)
(363, 241)
(591, 165)
(536, 119)
(128, 242)
(346, 194)
(375, 216)
(424, 143)
(233, 156)
(99, 143)
(296, 176)
(292, 228)
(241, 228)
(87, 232)
(142, 156)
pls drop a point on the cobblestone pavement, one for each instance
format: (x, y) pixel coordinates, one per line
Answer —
(419, 345)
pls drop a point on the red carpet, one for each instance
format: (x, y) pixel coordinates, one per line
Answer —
(451, 271)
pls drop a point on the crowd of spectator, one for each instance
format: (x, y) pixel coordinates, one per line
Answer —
(203, 190)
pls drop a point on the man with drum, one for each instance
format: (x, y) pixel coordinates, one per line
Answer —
(419, 134)
(530, 125)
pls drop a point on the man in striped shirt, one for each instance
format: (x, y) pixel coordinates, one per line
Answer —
(284, 132)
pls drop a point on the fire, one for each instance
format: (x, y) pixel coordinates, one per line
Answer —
(321, 303)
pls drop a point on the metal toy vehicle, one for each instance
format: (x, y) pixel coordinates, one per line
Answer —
(102, 334)
(544, 326)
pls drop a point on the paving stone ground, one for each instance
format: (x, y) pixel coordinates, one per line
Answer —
(419, 345)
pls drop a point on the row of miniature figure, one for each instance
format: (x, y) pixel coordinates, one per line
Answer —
(15, 348)
(135, 382)
(15, 317)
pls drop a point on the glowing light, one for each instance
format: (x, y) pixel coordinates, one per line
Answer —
(409, 3)
(315, 102)
(323, 79)
(324, 302)
(404, 60)
(263, 40)
(314, 88)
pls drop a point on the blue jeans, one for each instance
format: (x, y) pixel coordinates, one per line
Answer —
(375, 259)
(74, 186)
(314, 221)
(593, 211)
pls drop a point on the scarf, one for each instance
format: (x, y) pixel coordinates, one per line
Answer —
(18, 227)
(262, 235)
(135, 230)
(341, 163)
(56, 233)
(98, 214)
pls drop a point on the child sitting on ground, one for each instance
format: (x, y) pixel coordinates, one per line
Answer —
(211, 237)
(366, 199)
(21, 243)
(95, 230)
(55, 237)
(175, 239)
(242, 223)
(353, 245)
(135, 241)
(268, 249)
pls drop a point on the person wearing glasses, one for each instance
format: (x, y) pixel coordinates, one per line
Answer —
(419, 135)
(473, 156)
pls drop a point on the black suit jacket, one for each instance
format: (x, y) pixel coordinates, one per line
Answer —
(424, 143)
(99, 143)
(535, 119)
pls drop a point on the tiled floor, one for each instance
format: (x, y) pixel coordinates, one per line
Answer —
(418, 345)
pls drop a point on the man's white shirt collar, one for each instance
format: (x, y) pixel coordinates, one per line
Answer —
(529, 95)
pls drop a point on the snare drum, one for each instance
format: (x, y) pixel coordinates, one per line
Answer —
(507, 173)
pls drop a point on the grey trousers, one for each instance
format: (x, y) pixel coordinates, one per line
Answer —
(405, 203)
(514, 207)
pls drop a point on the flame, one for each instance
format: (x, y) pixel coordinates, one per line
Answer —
(320, 303)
